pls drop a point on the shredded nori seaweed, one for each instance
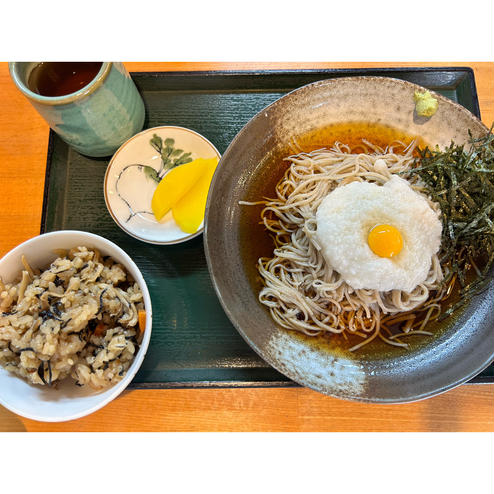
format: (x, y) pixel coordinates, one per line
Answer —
(461, 180)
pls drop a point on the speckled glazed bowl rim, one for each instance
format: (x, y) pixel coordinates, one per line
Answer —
(68, 98)
(112, 392)
(110, 164)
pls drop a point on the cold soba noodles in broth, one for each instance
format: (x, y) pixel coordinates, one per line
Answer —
(61, 78)
(258, 242)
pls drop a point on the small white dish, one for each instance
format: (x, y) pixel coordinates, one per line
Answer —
(66, 401)
(129, 186)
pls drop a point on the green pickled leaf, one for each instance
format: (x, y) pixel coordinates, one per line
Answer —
(151, 173)
(185, 158)
(157, 142)
(170, 157)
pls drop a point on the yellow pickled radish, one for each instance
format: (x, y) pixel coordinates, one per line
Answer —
(175, 184)
(189, 211)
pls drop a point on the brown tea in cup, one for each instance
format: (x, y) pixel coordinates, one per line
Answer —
(62, 78)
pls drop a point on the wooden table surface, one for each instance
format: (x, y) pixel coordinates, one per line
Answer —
(23, 146)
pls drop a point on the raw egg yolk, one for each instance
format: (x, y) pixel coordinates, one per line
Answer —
(385, 241)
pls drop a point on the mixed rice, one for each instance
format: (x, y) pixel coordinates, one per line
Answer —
(79, 318)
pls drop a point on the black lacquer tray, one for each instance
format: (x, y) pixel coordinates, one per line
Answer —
(193, 343)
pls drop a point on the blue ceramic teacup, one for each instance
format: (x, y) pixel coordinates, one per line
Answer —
(94, 120)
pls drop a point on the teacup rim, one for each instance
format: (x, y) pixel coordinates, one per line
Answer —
(67, 98)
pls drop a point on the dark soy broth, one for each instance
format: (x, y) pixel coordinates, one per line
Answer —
(62, 78)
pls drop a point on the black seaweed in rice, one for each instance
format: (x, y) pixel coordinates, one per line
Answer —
(101, 301)
(58, 281)
(47, 306)
(27, 349)
(62, 326)
(41, 372)
(9, 313)
(49, 373)
(91, 325)
(61, 270)
(83, 334)
(47, 314)
(55, 308)
(97, 349)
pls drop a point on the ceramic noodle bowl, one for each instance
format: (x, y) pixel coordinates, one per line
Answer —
(451, 357)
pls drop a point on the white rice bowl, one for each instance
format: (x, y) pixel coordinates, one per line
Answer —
(66, 401)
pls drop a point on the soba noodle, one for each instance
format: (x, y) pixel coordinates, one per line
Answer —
(301, 291)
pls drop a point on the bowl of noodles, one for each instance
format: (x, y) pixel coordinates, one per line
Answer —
(352, 245)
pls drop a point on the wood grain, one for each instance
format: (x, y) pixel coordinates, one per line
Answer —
(23, 144)
(467, 408)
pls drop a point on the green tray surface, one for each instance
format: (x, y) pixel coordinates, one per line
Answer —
(193, 344)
